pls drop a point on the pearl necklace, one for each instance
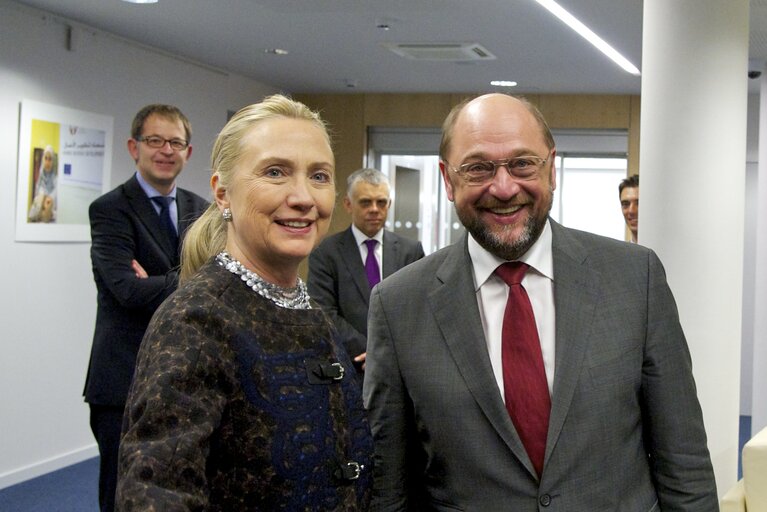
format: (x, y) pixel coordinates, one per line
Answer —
(291, 298)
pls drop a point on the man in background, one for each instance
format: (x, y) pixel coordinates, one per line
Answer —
(628, 191)
(136, 230)
(345, 266)
(529, 366)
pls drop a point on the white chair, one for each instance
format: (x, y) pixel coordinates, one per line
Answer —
(750, 493)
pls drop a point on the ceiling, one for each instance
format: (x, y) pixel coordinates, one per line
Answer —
(337, 46)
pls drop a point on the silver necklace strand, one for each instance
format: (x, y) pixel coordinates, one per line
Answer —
(291, 298)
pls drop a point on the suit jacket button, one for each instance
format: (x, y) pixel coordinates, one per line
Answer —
(545, 500)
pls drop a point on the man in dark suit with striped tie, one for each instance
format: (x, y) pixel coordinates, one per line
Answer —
(135, 231)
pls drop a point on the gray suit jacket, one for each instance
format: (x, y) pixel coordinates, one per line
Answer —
(626, 430)
(337, 281)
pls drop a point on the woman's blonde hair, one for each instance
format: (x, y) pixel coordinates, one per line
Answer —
(207, 236)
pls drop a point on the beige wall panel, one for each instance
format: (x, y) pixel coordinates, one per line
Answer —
(633, 157)
(535, 99)
(586, 111)
(406, 109)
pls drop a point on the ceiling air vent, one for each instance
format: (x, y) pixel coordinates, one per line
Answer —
(441, 51)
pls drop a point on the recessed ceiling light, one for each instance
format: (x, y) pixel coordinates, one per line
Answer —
(586, 33)
(140, 1)
(385, 24)
(276, 51)
(503, 83)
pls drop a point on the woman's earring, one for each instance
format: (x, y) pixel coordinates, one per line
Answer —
(227, 215)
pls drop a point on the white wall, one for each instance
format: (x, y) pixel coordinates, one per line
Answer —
(759, 354)
(749, 256)
(47, 295)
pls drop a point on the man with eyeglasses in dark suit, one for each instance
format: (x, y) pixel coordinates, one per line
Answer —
(136, 231)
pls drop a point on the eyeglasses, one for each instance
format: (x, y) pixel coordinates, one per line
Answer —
(521, 167)
(153, 141)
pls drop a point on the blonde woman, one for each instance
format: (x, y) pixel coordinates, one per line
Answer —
(242, 398)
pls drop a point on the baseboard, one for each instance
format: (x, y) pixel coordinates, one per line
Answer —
(40, 468)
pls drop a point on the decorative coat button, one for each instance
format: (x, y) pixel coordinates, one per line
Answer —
(323, 372)
(545, 500)
(349, 471)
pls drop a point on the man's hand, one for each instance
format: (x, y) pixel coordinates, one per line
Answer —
(360, 360)
(141, 273)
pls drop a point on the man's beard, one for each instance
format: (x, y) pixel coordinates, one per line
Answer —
(495, 242)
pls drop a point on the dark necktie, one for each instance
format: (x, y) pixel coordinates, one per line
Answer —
(371, 264)
(524, 378)
(164, 203)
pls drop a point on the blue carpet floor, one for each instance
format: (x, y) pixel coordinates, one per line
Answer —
(743, 437)
(75, 488)
(70, 489)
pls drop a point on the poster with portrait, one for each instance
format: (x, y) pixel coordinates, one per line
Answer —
(64, 164)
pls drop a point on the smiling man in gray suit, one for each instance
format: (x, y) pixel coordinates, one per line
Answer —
(617, 422)
(337, 267)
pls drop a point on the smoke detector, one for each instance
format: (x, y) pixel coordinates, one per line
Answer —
(451, 52)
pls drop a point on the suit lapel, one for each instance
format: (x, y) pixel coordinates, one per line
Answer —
(454, 304)
(147, 215)
(576, 292)
(186, 212)
(391, 256)
(350, 254)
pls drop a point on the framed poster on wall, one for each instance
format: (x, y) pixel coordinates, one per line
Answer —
(64, 164)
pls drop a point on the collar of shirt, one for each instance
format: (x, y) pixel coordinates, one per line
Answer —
(492, 293)
(151, 192)
(360, 237)
(539, 257)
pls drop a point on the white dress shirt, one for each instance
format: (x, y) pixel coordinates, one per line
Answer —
(492, 293)
(151, 192)
(361, 237)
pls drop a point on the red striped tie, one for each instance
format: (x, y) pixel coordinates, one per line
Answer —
(524, 378)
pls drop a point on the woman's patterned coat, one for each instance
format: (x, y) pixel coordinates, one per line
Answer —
(238, 404)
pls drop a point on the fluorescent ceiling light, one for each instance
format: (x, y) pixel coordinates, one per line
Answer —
(141, 1)
(589, 35)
